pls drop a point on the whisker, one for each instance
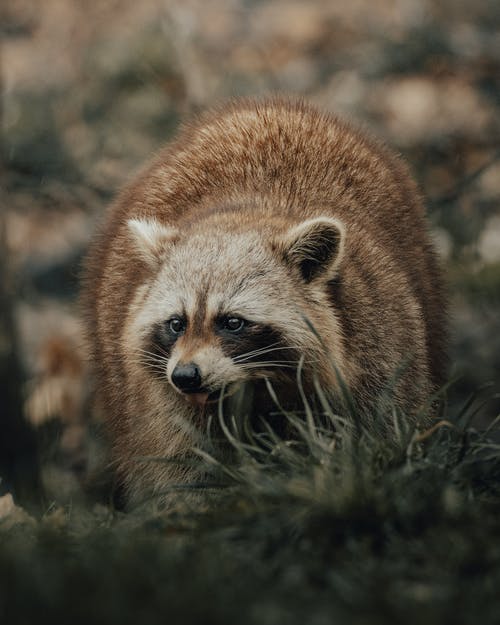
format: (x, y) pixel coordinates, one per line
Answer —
(244, 357)
(154, 354)
(150, 361)
(162, 350)
(156, 368)
(268, 365)
(281, 363)
(259, 349)
(266, 362)
(152, 358)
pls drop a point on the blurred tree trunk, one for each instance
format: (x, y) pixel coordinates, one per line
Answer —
(18, 457)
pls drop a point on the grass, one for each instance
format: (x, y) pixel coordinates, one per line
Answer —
(334, 525)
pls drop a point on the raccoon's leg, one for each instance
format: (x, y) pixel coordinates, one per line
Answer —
(157, 456)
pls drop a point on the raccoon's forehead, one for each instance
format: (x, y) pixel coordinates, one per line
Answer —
(202, 254)
(225, 273)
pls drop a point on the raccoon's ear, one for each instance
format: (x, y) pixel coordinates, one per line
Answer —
(151, 238)
(315, 246)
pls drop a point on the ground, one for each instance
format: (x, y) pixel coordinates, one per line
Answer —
(89, 91)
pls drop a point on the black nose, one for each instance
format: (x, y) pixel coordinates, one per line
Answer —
(187, 378)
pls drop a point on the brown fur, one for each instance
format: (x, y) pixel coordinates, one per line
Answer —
(266, 167)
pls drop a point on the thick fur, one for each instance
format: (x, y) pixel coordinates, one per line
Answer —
(280, 214)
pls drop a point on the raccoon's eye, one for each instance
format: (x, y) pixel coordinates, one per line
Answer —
(176, 325)
(233, 324)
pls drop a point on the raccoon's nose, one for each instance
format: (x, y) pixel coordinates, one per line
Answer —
(187, 378)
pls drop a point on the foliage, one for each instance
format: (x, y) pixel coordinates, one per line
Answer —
(332, 524)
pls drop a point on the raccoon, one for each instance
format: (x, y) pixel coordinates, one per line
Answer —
(267, 235)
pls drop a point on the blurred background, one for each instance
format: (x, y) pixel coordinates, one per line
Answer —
(91, 88)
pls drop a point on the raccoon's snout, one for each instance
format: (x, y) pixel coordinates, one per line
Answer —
(187, 378)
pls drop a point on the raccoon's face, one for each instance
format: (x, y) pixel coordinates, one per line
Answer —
(228, 307)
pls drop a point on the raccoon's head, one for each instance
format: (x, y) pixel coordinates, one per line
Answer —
(225, 305)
